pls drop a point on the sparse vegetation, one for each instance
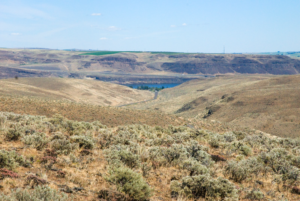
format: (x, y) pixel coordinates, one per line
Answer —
(44, 193)
(135, 162)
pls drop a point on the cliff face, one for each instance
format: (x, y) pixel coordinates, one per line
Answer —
(65, 63)
(249, 64)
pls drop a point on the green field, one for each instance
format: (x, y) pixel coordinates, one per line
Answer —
(170, 53)
(100, 53)
(108, 52)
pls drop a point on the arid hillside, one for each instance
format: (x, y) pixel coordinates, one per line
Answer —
(60, 159)
(270, 104)
(76, 90)
(138, 66)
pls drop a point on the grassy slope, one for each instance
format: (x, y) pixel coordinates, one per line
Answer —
(109, 116)
(264, 103)
(84, 91)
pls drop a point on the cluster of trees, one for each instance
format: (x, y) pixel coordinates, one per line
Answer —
(149, 88)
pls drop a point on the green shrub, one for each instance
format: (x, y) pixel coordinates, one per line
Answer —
(255, 194)
(204, 186)
(10, 159)
(145, 169)
(118, 155)
(245, 150)
(296, 161)
(214, 142)
(3, 119)
(244, 169)
(63, 146)
(130, 183)
(40, 193)
(229, 137)
(84, 141)
(36, 140)
(278, 160)
(239, 135)
(13, 134)
(204, 158)
(194, 167)
(291, 176)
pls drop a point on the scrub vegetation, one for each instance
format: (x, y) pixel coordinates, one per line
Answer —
(53, 158)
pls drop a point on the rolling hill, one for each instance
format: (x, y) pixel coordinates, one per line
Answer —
(76, 90)
(266, 103)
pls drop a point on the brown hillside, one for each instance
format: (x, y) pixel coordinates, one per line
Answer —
(270, 104)
(109, 116)
(77, 90)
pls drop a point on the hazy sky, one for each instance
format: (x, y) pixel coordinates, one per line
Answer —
(156, 25)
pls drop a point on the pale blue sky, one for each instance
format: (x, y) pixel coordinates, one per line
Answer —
(156, 25)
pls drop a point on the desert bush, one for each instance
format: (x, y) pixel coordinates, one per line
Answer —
(36, 140)
(63, 146)
(194, 167)
(123, 137)
(245, 150)
(181, 137)
(175, 153)
(177, 129)
(164, 140)
(255, 194)
(244, 169)
(84, 141)
(204, 186)
(118, 155)
(278, 160)
(239, 135)
(291, 176)
(10, 159)
(204, 158)
(77, 128)
(3, 119)
(98, 125)
(214, 142)
(58, 136)
(44, 193)
(240, 148)
(289, 143)
(296, 161)
(145, 169)
(229, 137)
(13, 134)
(130, 183)
(111, 195)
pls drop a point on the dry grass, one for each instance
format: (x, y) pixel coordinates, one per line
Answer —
(109, 116)
(82, 91)
(265, 103)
